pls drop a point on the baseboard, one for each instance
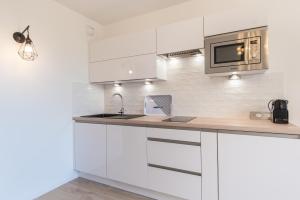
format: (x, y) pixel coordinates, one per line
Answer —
(129, 188)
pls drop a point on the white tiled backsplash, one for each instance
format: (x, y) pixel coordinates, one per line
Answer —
(87, 99)
(196, 94)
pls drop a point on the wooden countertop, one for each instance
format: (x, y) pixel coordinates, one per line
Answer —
(200, 123)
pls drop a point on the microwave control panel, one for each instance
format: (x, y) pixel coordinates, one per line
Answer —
(254, 50)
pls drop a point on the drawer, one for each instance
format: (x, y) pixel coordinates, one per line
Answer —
(177, 184)
(175, 154)
(174, 134)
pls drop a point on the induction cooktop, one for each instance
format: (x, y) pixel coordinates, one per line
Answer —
(179, 119)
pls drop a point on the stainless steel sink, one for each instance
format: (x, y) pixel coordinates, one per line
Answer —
(113, 116)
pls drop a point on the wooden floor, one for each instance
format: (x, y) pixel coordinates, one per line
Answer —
(82, 189)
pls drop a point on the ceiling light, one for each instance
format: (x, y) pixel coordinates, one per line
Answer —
(148, 82)
(117, 84)
(234, 77)
(27, 50)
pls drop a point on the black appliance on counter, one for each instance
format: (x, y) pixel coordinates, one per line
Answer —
(279, 111)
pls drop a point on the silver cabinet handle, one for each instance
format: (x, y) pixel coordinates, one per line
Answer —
(174, 141)
(174, 169)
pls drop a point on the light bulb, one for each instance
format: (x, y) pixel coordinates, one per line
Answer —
(116, 84)
(28, 49)
(234, 77)
(148, 82)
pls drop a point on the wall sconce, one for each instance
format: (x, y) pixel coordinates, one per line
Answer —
(27, 50)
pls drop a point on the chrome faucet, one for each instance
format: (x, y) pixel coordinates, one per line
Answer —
(122, 110)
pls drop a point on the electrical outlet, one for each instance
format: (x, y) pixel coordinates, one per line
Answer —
(260, 115)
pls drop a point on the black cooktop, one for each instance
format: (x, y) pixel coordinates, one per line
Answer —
(179, 119)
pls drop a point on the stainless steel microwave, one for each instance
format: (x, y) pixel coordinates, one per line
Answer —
(237, 52)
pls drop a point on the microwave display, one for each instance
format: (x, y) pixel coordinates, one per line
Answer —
(229, 53)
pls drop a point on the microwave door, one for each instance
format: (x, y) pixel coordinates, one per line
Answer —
(230, 53)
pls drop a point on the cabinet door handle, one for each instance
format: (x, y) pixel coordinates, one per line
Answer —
(174, 141)
(174, 169)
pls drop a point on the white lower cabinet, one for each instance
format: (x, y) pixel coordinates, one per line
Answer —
(189, 164)
(209, 155)
(258, 168)
(126, 154)
(90, 148)
(174, 162)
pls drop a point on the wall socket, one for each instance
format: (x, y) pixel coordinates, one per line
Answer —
(260, 115)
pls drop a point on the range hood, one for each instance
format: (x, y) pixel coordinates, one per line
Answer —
(184, 54)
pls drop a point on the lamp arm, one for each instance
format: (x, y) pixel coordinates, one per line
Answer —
(26, 29)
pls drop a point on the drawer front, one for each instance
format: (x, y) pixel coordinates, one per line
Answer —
(173, 134)
(175, 154)
(174, 183)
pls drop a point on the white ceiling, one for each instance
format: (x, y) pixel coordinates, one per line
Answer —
(109, 11)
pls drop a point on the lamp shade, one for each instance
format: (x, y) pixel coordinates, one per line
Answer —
(27, 50)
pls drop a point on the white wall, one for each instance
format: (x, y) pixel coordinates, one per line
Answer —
(192, 8)
(290, 43)
(283, 31)
(36, 152)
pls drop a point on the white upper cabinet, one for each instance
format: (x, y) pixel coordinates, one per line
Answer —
(90, 148)
(124, 46)
(180, 36)
(141, 67)
(260, 168)
(234, 20)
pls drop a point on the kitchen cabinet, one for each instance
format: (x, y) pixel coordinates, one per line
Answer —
(174, 162)
(257, 167)
(127, 45)
(126, 154)
(125, 69)
(90, 148)
(180, 36)
(235, 20)
(209, 155)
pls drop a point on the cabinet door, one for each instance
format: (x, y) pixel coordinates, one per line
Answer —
(126, 154)
(139, 67)
(209, 154)
(133, 44)
(260, 168)
(90, 148)
(234, 20)
(105, 71)
(124, 69)
(180, 36)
